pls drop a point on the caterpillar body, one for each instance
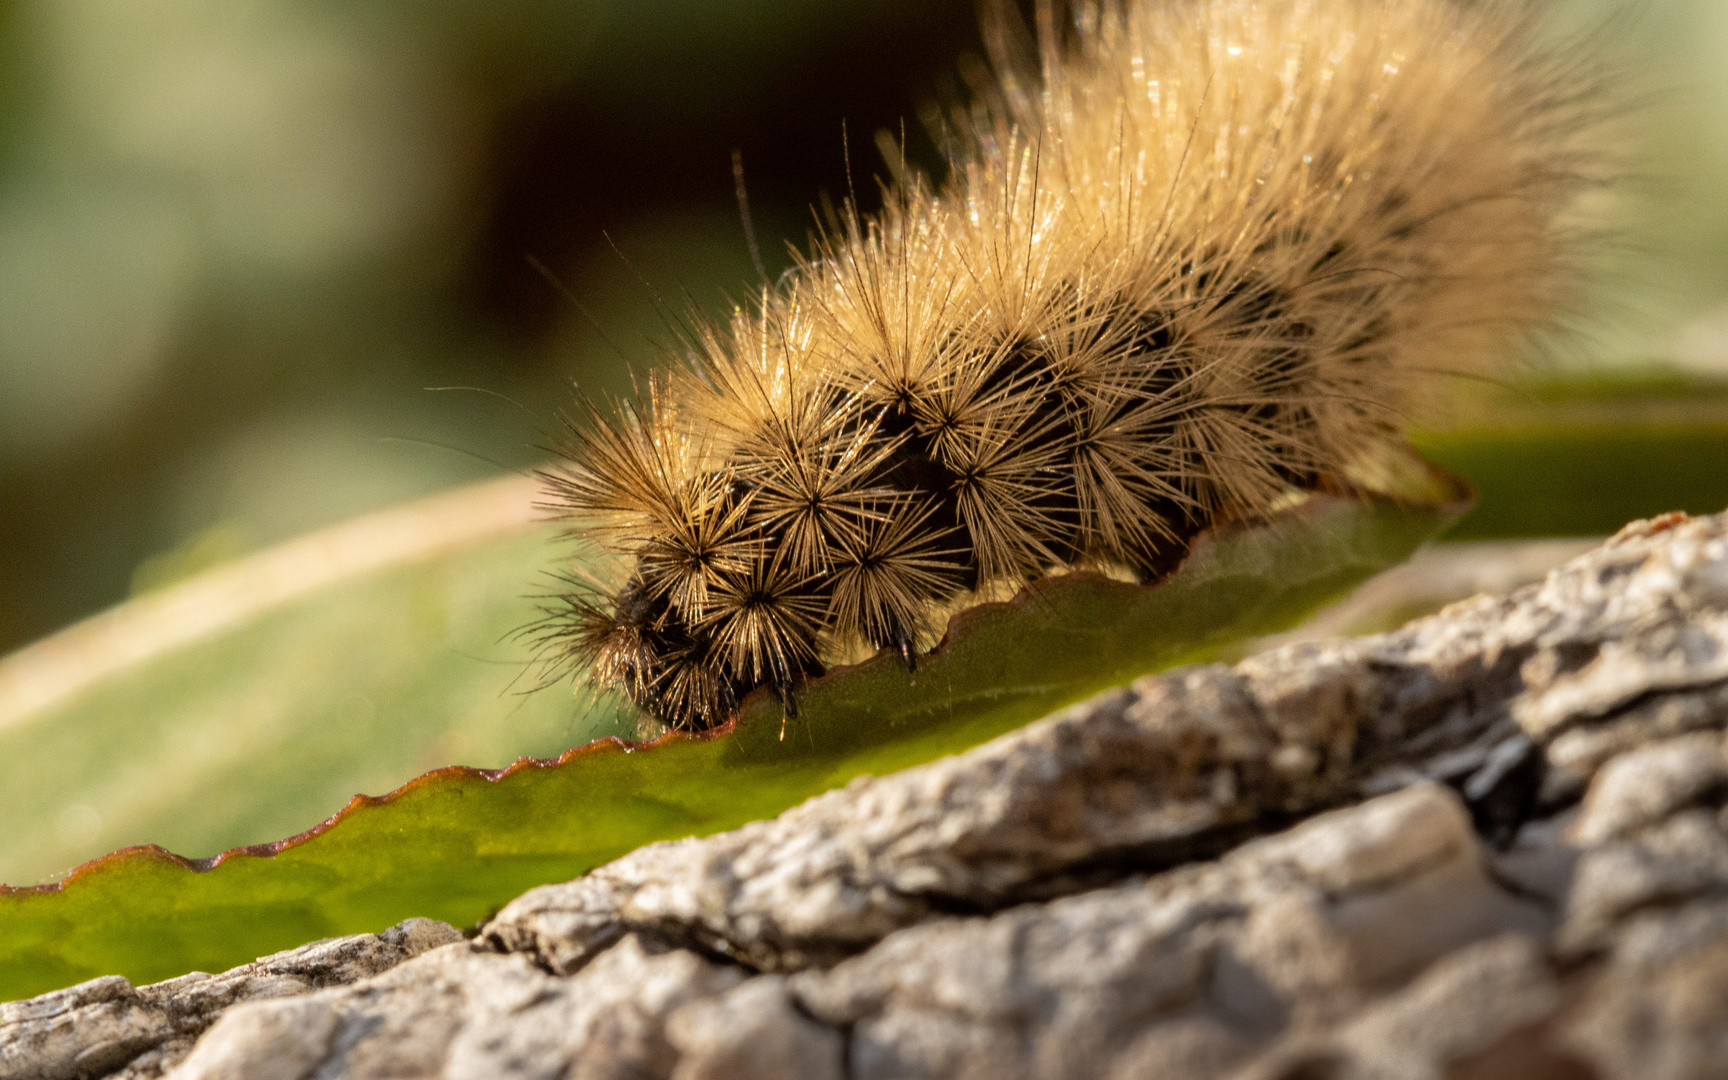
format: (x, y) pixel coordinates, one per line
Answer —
(1197, 257)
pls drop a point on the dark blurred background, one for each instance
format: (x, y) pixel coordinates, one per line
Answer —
(239, 239)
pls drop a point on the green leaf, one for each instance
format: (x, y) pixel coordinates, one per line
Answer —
(459, 842)
(249, 702)
(1583, 456)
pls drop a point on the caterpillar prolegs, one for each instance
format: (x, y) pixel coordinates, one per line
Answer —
(1192, 258)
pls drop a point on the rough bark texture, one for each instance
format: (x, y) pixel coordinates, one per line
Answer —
(106, 1027)
(1491, 844)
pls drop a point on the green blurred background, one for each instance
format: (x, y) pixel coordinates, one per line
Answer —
(240, 238)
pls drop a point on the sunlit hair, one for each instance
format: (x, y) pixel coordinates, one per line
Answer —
(1192, 257)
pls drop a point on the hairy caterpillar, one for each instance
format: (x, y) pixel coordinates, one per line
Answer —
(1198, 256)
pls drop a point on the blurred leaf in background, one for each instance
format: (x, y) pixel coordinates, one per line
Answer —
(1582, 454)
(249, 703)
(238, 238)
(1662, 296)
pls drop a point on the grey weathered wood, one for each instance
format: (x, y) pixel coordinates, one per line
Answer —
(1491, 843)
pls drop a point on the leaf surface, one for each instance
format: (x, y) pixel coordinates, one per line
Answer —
(1583, 456)
(457, 843)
